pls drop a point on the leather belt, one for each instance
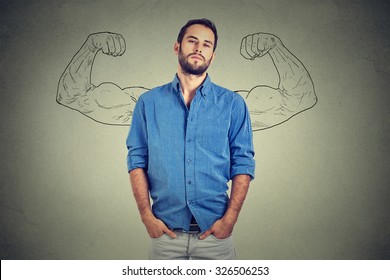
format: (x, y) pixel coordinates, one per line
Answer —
(194, 227)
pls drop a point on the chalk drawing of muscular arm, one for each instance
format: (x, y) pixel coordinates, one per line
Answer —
(110, 104)
(295, 93)
(106, 103)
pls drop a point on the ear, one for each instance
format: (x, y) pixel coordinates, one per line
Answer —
(176, 48)
(213, 57)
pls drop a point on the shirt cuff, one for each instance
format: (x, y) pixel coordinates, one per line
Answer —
(134, 162)
(243, 170)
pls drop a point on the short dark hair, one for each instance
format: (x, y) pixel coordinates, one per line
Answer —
(205, 22)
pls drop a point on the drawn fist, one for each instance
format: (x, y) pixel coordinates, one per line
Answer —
(110, 43)
(258, 44)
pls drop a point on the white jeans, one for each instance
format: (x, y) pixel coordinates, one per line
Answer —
(188, 246)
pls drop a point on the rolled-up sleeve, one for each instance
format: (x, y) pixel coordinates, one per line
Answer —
(137, 139)
(241, 140)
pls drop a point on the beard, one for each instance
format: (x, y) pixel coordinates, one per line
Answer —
(192, 69)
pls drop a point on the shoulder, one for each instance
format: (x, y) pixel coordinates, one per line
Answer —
(232, 100)
(155, 92)
(227, 94)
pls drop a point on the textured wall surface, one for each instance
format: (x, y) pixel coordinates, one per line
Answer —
(322, 185)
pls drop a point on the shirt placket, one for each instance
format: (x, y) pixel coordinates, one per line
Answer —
(190, 154)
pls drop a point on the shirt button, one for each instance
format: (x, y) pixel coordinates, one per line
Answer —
(189, 182)
(189, 140)
(189, 161)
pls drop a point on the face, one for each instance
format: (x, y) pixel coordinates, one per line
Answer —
(196, 51)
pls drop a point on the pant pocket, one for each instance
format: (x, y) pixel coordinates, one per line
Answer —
(220, 239)
(157, 238)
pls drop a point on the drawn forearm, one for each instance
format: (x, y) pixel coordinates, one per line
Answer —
(75, 82)
(295, 84)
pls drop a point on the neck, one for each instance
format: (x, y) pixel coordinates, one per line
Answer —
(190, 83)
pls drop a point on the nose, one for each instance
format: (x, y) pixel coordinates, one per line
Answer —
(198, 49)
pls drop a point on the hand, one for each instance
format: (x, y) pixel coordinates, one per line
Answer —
(156, 228)
(110, 43)
(221, 229)
(258, 44)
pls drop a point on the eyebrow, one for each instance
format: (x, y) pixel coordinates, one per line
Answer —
(193, 37)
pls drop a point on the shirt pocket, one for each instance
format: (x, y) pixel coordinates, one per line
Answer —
(214, 137)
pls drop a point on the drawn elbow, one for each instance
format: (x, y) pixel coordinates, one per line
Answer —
(59, 97)
(312, 99)
(61, 90)
(307, 100)
(67, 94)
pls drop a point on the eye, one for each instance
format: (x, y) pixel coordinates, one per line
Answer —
(207, 45)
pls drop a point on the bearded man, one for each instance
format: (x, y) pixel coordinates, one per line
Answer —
(187, 139)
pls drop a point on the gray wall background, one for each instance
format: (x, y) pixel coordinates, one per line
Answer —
(322, 185)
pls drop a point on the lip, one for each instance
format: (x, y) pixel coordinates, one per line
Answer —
(197, 57)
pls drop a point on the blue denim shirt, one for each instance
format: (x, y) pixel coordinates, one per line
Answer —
(190, 154)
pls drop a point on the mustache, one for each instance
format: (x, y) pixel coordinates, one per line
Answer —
(198, 54)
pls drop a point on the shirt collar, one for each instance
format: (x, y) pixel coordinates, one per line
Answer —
(203, 89)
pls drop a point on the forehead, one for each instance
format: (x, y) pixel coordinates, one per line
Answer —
(201, 32)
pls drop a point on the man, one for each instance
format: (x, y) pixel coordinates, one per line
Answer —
(187, 139)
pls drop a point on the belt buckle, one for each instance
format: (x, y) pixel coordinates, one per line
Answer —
(192, 230)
